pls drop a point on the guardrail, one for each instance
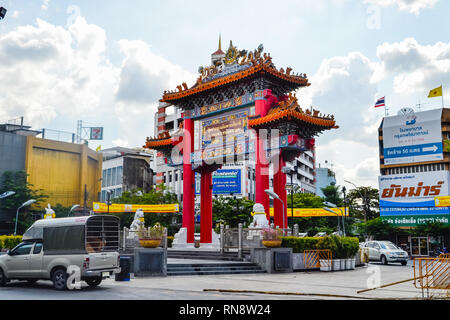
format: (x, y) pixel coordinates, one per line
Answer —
(432, 273)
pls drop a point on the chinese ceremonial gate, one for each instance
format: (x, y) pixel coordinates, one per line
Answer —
(240, 108)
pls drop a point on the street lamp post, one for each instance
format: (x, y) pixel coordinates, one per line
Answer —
(6, 194)
(332, 205)
(73, 208)
(273, 195)
(31, 201)
(289, 171)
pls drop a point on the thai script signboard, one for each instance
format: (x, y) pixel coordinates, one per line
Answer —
(414, 137)
(225, 182)
(415, 220)
(100, 207)
(314, 212)
(413, 189)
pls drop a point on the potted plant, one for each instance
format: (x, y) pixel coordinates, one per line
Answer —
(271, 238)
(347, 250)
(353, 248)
(328, 243)
(151, 238)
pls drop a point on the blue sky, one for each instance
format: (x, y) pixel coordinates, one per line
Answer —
(108, 61)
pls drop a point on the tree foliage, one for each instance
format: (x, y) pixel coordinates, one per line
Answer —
(364, 201)
(160, 195)
(378, 229)
(17, 181)
(232, 211)
(333, 194)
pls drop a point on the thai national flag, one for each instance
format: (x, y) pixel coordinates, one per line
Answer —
(380, 103)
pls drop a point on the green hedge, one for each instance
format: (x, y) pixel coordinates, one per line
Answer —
(9, 242)
(299, 245)
(341, 247)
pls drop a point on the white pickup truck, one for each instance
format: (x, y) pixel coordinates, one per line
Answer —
(75, 249)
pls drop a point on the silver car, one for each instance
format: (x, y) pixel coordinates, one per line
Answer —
(385, 252)
(75, 249)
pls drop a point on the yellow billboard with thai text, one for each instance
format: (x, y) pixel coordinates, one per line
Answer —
(442, 201)
(314, 212)
(100, 207)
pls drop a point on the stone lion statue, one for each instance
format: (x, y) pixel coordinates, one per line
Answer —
(49, 212)
(259, 217)
(138, 220)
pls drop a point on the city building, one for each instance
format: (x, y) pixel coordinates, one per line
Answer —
(67, 173)
(126, 169)
(324, 177)
(414, 170)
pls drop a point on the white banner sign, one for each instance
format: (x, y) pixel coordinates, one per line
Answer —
(413, 189)
(414, 137)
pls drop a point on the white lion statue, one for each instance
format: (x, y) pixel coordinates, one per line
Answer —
(259, 222)
(49, 212)
(259, 217)
(137, 223)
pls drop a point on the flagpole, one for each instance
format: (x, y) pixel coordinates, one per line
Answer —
(385, 107)
(442, 96)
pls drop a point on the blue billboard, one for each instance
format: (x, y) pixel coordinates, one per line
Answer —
(225, 181)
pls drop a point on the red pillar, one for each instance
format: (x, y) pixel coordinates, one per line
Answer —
(188, 181)
(279, 187)
(261, 162)
(206, 207)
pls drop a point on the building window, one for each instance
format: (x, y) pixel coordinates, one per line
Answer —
(108, 177)
(104, 179)
(120, 175)
(114, 177)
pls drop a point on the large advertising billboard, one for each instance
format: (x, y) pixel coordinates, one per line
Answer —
(408, 200)
(414, 137)
(413, 189)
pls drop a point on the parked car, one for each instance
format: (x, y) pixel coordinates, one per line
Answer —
(51, 246)
(385, 252)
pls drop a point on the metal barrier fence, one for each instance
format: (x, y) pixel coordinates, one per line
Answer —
(241, 238)
(432, 273)
(312, 258)
(128, 239)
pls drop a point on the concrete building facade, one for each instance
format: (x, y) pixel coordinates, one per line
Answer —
(126, 169)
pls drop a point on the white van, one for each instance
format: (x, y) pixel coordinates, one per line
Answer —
(51, 248)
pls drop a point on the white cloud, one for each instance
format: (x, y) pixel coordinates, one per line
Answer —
(45, 4)
(415, 67)
(348, 86)
(50, 73)
(411, 6)
(47, 70)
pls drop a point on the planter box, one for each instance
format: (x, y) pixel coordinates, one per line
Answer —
(336, 264)
(273, 260)
(298, 262)
(150, 262)
(348, 264)
(326, 265)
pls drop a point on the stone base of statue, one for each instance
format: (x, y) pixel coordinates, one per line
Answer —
(180, 242)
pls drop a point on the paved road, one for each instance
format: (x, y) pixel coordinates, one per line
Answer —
(299, 285)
